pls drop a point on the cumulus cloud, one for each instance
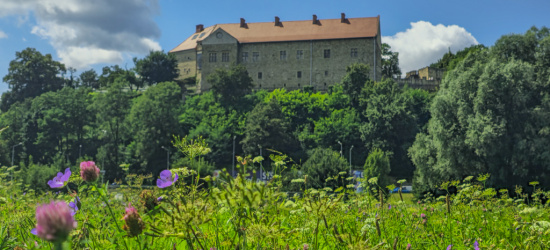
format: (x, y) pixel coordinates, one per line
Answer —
(87, 32)
(425, 43)
(3, 35)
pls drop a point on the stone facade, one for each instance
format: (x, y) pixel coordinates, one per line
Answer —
(291, 64)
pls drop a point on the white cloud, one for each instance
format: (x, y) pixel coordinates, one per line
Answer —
(425, 43)
(3, 35)
(104, 31)
(82, 57)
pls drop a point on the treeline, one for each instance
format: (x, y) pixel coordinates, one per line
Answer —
(130, 117)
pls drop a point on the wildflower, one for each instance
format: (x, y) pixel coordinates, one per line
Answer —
(423, 216)
(89, 171)
(408, 246)
(59, 180)
(166, 179)
(159, 198)
(306, 247)
(54, 221)
(148, 200)
(389, 206)
(476, 245)
(418, 202)
(449, 247)
(133, 223)
(74, 205)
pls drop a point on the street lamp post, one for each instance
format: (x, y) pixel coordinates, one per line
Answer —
(260, 161)
(13, 155)
(167, 157)
(350, 171)
(233, 168)
(80, 151)
(341, 148)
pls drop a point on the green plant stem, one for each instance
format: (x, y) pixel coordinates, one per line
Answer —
(104, 198)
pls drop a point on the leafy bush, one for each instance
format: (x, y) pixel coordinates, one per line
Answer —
(324, 164)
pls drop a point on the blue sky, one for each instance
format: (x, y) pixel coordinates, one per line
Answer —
(88, 34)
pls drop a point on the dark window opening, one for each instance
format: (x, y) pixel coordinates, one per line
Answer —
(327, 53)
(255, 56)
(282, 55)
(212, 57)
(299, 75)
(353, 53)
(326, 72)
(259, 75)
(299, 54)
(225, 57)
(245, 56)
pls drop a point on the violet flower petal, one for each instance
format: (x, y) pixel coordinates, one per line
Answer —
(33, 231)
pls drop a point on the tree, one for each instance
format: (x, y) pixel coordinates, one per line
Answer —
(357, 75)
(157, 67)
(389, 124)
(115, 73)
(490, 116)
(90, 79)
(322, 164)
(390, 62)
(230, 85)
(153, 121)
(267, 127)
(111, 109)
(377, 166)
(30, 74)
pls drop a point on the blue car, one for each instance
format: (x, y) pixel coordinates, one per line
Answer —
(405, 189)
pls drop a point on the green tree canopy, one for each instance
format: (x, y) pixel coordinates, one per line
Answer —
(229, 86)
(30, 74)
(377, 166)
(390, 62)
(490, 116)
(322, 164)
(157, 67)
(357, 75)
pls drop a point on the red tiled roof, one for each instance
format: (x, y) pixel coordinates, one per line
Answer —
(291, 31)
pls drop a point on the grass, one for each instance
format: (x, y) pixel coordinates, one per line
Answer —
(247, 215)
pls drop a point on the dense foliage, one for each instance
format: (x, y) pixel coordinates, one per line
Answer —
(491, 115)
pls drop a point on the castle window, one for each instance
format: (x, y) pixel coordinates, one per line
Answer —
(326, 72)
(259, 75)
(299, 75)
(283, 55)
(353, 52)
(194, 37)
(245, 56)
(212, 57)
(225, 57)
(255, 56)
(327, 53)
(299, 54)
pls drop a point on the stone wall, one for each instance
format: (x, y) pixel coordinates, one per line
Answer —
(187, 63)
(272, 71)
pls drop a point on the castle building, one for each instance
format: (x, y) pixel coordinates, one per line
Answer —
(282, 54)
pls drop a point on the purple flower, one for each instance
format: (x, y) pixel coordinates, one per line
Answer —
(423, 216)
(449, 247)
(306, 247)
(74, 205)
(60, 179)
(166, 179)
(476, 245)
(89, 171)
(159, 198)
(54, 221)
(389, 206)
(408, 246)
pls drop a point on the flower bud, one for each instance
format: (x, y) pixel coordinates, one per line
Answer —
(89, 171)
(133, 223)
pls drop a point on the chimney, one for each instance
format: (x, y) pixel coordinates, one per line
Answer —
(315, 21)
(199, 28)
(243, 23)
(277, 21)
(343, 18)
